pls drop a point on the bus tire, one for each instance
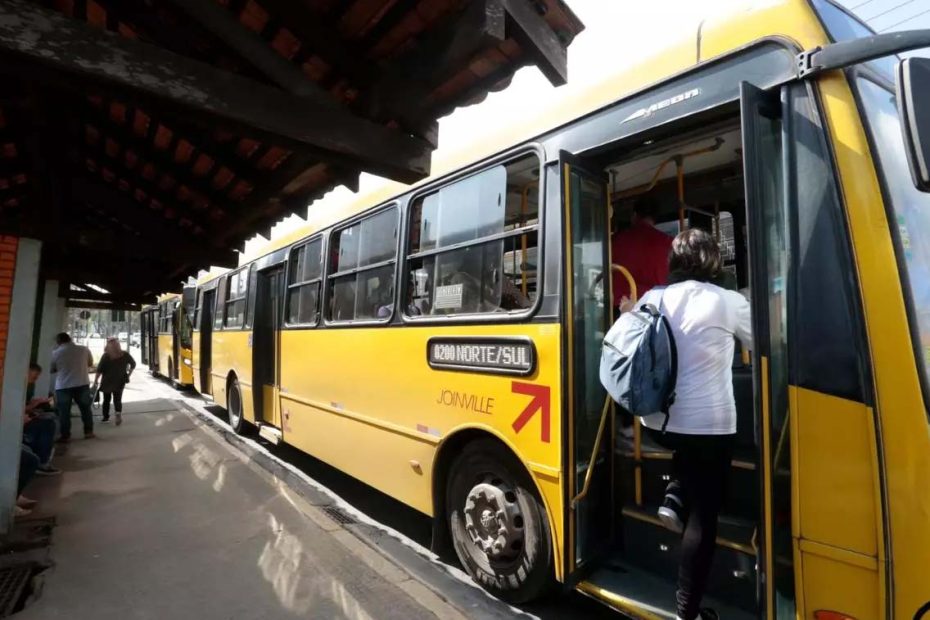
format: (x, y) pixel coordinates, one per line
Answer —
(234, 406)
(498, 524)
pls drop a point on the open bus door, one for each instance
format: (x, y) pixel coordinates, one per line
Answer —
(588, 432)
(266, 350)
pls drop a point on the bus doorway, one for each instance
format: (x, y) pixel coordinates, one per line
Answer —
(266, 345)
(206, 340)
(725, 178)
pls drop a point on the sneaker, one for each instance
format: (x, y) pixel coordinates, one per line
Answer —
(47, 470)
(25, 502)
(105, 420)
(672, 513)
(21, 512)
(90, 435)
(119, 419)
(705, 614)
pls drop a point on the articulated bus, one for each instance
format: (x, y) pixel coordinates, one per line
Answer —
(441, 343)
(166, 338)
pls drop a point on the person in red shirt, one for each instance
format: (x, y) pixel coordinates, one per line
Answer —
(643, 250)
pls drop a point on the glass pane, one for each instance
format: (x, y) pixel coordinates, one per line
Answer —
(310, 303)
(298, 258)
(589, 315)
(473, 280)
(470, 209)
(379, 238)
(342, 298)
(346, 250)
(311, 268)
(375, 293)
(911, 207)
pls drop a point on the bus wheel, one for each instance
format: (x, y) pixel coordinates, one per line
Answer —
(234, 407)
(498, 524)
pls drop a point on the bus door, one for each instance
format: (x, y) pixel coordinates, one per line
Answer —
(176, 318)
(206, 340)
(266, 345)
(588, 451)
(764, 156)
(154, 328)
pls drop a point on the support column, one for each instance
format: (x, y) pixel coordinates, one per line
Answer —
(51, 323)
(19, 258)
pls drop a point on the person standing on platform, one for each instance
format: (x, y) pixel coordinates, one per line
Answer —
(71, 362)
(643, 250)
(115, 367)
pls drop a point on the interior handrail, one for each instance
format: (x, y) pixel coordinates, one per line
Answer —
(597, 446)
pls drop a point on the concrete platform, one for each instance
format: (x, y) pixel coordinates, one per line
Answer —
(159, 518)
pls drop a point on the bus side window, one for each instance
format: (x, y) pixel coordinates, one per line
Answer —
(361, 275)
(473, 245)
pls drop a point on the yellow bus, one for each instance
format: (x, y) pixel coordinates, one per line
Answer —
(166, 338)
(441, 343)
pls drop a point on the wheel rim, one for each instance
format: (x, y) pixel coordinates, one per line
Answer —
(494, 521)
(233, 406)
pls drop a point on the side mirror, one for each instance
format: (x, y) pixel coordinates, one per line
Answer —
(913, 94)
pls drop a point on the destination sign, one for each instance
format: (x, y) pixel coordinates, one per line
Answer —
(512, 356)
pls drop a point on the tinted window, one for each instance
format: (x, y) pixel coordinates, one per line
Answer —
(841, 26)
(361, 284)
(303, 280)
(473, 245)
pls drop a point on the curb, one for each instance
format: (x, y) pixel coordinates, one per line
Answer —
(448, 584)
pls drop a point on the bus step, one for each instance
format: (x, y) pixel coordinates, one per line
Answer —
(270, 433)
(650, 546)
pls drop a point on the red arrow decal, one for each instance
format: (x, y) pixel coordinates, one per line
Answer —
(540, 402)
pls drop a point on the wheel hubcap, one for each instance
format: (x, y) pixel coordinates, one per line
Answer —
(493, 520)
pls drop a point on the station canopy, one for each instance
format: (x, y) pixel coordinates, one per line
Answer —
(143, 140)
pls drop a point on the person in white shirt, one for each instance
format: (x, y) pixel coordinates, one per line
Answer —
(70, 363)
(702, 422)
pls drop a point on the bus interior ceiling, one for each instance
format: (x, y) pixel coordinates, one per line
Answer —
(712, 198)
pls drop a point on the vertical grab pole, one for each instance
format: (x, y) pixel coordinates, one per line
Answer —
(524, 209)
(680, 171)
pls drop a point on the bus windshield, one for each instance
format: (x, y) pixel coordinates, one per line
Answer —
(910, 206)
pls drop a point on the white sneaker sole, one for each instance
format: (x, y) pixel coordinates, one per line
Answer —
(670, 520)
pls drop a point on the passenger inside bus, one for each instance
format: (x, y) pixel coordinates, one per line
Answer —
(643, 250)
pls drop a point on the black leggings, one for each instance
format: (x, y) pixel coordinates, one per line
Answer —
(701, 470)
(117, 402)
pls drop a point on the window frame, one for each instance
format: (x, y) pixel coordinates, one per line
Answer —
(505, 158)
(244, 298)
(329, 275)
(303, 243)
(198, 310)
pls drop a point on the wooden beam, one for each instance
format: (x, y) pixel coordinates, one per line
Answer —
(550, 54)
(48, 46)
(162, 160)
(124, 209)
(402, 92)
(254, 50)
(112, 305)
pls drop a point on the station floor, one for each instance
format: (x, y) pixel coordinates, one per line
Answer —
(161, 518)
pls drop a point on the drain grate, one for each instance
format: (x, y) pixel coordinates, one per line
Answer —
(13, 580)
(339, 515)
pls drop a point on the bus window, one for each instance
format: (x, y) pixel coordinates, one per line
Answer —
(303, 284)
(473, 245)
(236, 291)
(361, 280)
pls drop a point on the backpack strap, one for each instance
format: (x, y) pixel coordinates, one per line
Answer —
(673, 355)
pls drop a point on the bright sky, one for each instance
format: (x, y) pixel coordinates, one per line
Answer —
(617, 33)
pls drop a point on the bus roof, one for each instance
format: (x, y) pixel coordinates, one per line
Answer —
(717, 35)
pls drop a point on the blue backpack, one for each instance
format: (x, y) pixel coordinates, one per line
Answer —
(639, 362)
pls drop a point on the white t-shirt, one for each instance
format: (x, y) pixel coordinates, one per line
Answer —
(704, 319)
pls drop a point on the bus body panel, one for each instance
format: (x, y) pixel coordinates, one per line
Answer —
(902, 413)
(185, 369)
(232, 355)
(367, 402)
(165, 347)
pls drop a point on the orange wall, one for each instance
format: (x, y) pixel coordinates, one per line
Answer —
(8, 247)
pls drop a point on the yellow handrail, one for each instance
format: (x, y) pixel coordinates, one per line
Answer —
(597, 446)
